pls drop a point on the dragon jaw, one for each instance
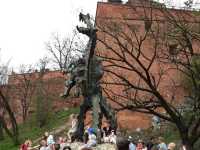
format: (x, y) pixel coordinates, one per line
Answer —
(90, 29)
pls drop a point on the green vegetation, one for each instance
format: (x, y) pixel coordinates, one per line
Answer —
(168, 131)
(196, 12)
(30, 129)
(188, 82)
(171, 134)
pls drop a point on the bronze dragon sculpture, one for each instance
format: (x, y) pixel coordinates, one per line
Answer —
(86, 73)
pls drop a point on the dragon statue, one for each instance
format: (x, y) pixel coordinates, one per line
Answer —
(86, 73)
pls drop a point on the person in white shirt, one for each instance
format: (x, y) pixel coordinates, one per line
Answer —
(113, 137)
(43, 144)
(105, 138)
(50, 143)
(73, 127)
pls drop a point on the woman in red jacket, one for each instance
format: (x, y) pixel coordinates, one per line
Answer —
(26, 146)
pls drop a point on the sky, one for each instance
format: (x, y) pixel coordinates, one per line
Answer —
(25, 26)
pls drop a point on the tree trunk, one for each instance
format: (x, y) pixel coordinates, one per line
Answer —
(188, 145)
(186, 141)
(24, 114)
(14, 134)
(1, 132)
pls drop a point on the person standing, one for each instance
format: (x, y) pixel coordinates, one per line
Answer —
(150, 143)
(140, 145)
(43, 145)
(73, 128)
(131, 144)
(92, 140)
(161, 145)
(113, 137)
(26, 146)
(171, 146)
(50, 143)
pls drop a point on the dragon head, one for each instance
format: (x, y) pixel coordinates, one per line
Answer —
(89, 30)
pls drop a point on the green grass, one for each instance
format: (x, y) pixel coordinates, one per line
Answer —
(29, 130)
(171, 135)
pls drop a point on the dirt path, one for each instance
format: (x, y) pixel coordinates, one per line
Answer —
(57, 131)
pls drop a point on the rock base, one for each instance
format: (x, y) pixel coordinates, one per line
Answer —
(105, 146)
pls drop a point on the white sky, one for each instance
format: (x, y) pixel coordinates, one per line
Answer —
(25, 25)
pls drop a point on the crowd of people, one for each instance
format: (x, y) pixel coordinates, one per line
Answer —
(151, 145)
(108, 135)
(47, 143)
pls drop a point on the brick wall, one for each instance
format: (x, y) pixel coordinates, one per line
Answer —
(134, 14)
(53, 83)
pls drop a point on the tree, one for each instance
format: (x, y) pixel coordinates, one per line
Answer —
(3, 80)
(25, 88)
(42, 97)
(63, 51)
(143, 60)
(13, 132)
(5, 108)
(2, 111)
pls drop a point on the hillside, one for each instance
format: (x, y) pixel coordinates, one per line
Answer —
(29, 130)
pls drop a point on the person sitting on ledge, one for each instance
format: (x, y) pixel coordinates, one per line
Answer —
(92, 139)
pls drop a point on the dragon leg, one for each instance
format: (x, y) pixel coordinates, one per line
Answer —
(108, 113)
(96, 118)
(85, 106)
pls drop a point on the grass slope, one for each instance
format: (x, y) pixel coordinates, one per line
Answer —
(29, 130)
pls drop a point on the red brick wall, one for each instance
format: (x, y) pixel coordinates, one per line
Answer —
(119, 13)
(53, 82)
